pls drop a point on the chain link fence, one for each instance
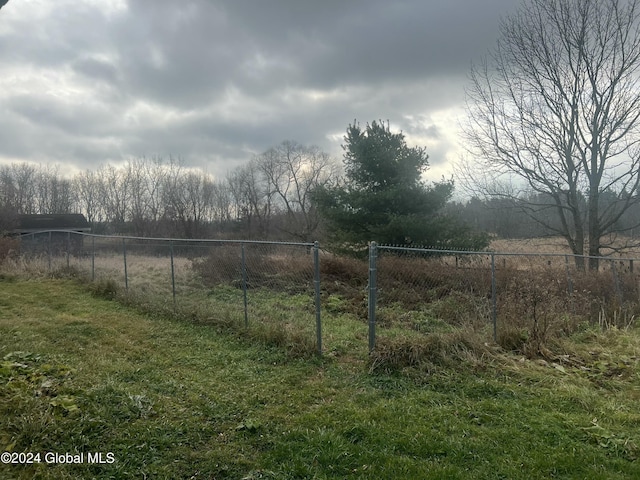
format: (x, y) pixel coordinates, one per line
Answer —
(274, 286)
(521, 301)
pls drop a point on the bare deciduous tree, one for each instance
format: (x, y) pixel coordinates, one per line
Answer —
(151, 197)
(87, 187)
(24, 175)
(115, 193)
(54, 194)
(252, 198)
(146, 179)
(18, 187)
(292, 172)
(188, 199)
(556, 108)
(156, 172)
(221, 202)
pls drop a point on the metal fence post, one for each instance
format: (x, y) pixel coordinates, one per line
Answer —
(49, 251)
(68, 247)
(244, 287)
(372, 294)
(173, 277)
(316, 284)
(93, 258)
(124, 256)
(493, 297)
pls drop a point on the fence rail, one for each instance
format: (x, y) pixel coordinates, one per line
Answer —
(506, 297)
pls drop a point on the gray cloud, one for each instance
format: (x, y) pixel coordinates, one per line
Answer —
(214, 81)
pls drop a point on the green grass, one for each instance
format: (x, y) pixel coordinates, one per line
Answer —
(179, 400)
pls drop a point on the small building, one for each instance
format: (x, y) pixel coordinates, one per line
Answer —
(53, 233)
(74, 222)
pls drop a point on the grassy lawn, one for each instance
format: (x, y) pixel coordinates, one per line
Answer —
(172, 399)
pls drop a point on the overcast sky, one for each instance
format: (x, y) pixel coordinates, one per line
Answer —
(89, 82)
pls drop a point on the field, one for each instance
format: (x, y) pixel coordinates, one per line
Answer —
(170, 399)
(187, 390)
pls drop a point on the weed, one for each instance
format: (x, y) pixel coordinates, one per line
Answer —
(513, 339)
(426, 353)
(105, 288)
(618, 446)
(71, 271)
(622, 317)
(297, 344)
(8, 277)
(284, 269)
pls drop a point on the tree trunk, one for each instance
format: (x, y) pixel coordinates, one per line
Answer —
(578, 249)
(594, 230)
(578, 240)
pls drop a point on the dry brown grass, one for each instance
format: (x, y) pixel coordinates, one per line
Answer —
(428, 353)
(558, 245)
(9, 248)
(280, 268)
(530, 245)
(539, 299)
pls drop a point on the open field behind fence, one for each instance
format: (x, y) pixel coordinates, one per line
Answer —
(229, 283)
(298, 296)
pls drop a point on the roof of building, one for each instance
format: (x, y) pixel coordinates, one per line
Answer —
(69, 221)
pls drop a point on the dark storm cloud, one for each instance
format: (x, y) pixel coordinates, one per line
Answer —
(215, 81)
(330, 43)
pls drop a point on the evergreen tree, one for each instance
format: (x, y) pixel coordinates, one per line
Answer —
(384, 198)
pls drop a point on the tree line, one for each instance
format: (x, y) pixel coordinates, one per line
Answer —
(503, 217)
(268, 197)
(289, 192)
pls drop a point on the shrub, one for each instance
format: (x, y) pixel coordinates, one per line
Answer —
(9, 248)
(283, 269)
(104, 288)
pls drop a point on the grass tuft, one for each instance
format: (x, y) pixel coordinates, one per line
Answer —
(106, 288)
(446, 350)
